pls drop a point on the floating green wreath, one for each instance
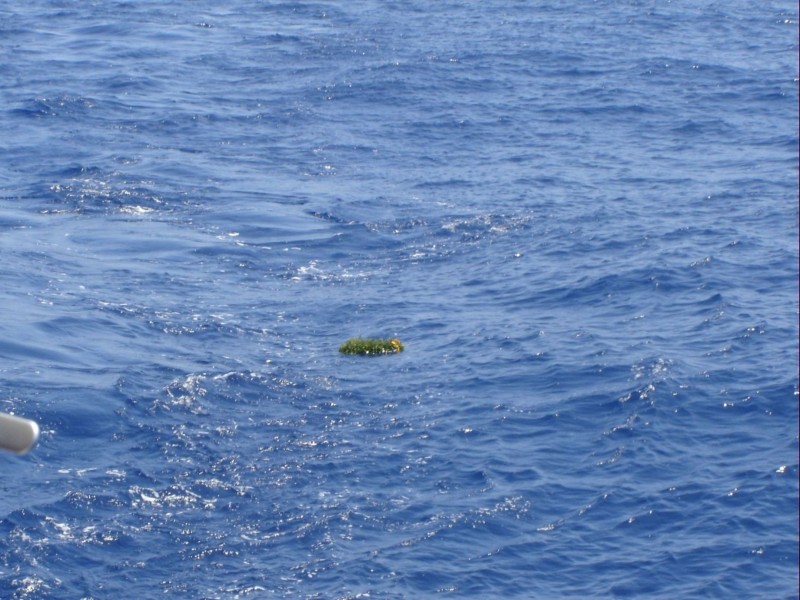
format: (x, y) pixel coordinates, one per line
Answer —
(371, 346)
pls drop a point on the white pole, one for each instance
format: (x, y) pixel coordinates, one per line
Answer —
(17, 434)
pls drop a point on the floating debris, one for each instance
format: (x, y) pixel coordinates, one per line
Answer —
(371, 346)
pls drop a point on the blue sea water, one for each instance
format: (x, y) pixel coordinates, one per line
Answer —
(581, 218)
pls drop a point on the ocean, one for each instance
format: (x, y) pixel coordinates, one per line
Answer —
(581, 219)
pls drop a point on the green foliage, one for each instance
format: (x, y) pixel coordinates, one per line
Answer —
(371, 346)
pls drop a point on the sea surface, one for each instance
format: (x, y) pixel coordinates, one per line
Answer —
(581, 219)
